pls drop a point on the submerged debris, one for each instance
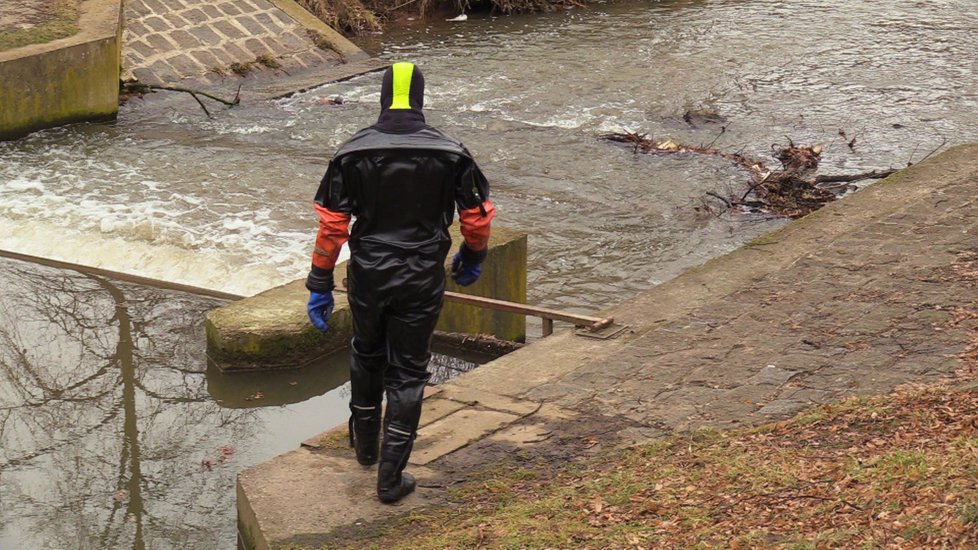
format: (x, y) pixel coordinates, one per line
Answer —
(793, 190)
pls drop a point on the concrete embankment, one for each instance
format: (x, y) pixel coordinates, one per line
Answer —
(264, 48)
(67, 80)
(870, 292)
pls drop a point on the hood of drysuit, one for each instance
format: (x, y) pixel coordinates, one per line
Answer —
(401, 99)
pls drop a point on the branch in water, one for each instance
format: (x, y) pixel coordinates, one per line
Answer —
(137, 88)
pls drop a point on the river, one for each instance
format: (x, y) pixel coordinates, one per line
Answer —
(116, 435)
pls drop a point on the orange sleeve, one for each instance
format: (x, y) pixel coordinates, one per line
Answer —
(475, 225)
(333, 232)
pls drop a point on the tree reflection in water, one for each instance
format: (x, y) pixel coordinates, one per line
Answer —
(114, 433)
(106, 424)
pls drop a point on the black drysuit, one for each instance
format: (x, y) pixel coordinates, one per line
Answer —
(403, 181)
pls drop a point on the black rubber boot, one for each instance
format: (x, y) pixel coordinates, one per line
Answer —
(392, 483)
(366, 394)
(365, 433)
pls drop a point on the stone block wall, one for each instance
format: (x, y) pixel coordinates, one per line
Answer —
(167, 41)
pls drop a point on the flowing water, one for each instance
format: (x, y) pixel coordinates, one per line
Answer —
(225, 203)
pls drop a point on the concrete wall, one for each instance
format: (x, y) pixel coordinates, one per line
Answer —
(503, 278)
(271, 330)
(67, 80)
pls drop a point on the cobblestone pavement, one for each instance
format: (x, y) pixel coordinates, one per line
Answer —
(166, 41)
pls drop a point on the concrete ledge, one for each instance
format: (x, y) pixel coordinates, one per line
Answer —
(347, 50)
(271, 330)
(72, 79)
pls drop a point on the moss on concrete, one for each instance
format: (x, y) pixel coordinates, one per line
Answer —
(59, 20)
(503, 278)
(272, 331)
(69, 81)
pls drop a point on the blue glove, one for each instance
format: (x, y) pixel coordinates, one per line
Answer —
(464, 273)
(320, 308)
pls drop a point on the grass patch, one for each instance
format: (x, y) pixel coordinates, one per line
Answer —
(892, 471)
(58, 20)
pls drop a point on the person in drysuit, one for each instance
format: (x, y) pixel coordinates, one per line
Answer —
(403, 181)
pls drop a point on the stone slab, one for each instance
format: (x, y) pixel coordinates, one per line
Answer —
(477, 398)
(302, 495)
(455, 431)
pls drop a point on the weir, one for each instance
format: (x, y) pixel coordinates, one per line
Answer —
(837, 304)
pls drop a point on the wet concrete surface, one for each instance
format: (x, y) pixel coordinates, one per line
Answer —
(867, 294)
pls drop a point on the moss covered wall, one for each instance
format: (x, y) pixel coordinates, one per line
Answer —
(503, 278)
(68, 80)
(271, 330)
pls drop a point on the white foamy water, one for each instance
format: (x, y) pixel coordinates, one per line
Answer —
(147, 227)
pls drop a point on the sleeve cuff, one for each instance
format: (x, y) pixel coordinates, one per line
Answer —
(320, 280)
(470, 256)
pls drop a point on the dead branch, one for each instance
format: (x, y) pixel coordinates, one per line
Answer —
(936, 149)
(873, 174)
(136, 88)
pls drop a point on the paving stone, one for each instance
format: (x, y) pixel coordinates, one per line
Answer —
(257, 47)
(195, 16)
(487, 400)
(267, 21)
(207, 36)
(140, 47)
(252, 26)
(212, 11)
(156, 23)
(185, 40)
(146, 76)
(174, 5)
(771, 375)
(136, 29)
(294, 42)
(436, 409)
(164, 72)
(238, 54)
(186, 65)
(154, 6)
(277, 49)
(135, 10)
(228, 8)
(177, 21)
(283, 18)
(229, 30)
(456, 430)
(160, 43)
(207, 59)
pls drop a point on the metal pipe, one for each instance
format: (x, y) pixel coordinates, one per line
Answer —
(146, 281)
(593, 324)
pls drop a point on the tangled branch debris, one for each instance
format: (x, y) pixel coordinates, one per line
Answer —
(793, 190)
